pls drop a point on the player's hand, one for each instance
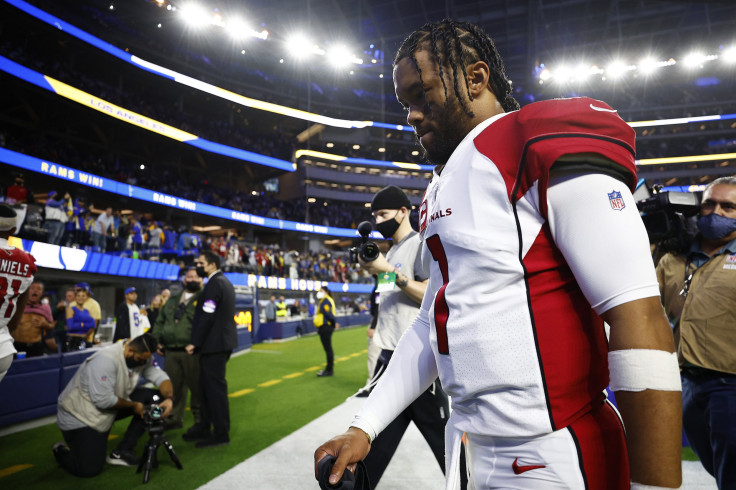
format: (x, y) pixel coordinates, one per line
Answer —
(139, 409)
(348, 449)
(167, 405)
(160, 350)
(337, 325)
(377, 266)
(189, 349)
(370, 332)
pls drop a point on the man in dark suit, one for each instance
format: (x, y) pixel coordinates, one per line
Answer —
(214, 336)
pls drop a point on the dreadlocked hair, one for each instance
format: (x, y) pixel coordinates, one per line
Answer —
(456, 45)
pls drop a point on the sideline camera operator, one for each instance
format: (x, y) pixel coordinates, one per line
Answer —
(401, 285)
(698, 290)
(102, 391)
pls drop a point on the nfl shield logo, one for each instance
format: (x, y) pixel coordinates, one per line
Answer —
(617, 202)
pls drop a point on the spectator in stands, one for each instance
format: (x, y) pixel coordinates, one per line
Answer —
(169, 245)
(17, 193)
(81, 227)
(91, 305)
(105, 389)
(60, 319)
(79, 322)
(36, 319)
(155, 308)
(69, 225)
(128, 321)
(136, 237)
(165, 295)
(155, 234)
(103, 228)
(55, 218)
(271, 309)
(173, 329)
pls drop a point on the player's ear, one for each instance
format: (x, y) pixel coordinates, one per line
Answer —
(478, 75)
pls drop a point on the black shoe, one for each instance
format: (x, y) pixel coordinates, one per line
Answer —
(196, 433)
(123, 457)
(214, 441)
(362, 393)
(324, 373)
(59, 448)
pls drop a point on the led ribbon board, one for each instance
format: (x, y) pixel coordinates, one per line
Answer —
(130, 117)
(193, 82)
(78, 260)
(90, 180)
(284, 284)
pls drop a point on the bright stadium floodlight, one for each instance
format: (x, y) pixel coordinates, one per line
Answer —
(237, 28)
(339, 56)
(615, 69)
(694, 60)
(300, 47)
(562, 74)
(195, 15)
(729, 55)
(545, 74)
(648, 65)
(580, 73)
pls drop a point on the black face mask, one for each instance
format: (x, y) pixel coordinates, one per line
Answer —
(388, 228)
(192, 286)
(200, 271)
(132, 363)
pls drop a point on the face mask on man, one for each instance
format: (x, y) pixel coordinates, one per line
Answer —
(191, 286)
(200, 271)
(388, 228)
(132, 363)
(714, 226)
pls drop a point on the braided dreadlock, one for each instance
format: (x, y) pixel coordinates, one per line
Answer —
(456, 45)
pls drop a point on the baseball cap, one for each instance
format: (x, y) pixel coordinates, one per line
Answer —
(84, 286)
(8, 217)
(130, 290)
(52, 193)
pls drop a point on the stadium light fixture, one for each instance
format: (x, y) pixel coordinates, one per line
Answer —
(648, 65)
(545, 74)
(729, 55)
(616, 69)
(299, 46)
(195, 15)
(694, 60)
(237, 28)
(563, 74)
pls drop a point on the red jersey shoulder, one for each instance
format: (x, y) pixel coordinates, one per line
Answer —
(579, 115)
(17, 262)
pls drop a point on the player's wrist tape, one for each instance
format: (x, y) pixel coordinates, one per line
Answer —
(644, 369)
(641, 486)
(362, 424)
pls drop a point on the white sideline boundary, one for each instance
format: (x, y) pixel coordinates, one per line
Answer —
(289, 462)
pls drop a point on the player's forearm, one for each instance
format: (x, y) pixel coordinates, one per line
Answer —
(653, 421)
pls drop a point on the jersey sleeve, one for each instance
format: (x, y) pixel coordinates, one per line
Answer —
(411, 370)
(596, 225)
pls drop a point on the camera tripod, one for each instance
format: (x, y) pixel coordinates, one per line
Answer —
(149, 453)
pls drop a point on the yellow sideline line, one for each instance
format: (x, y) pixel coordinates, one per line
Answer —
(14, 469)
(313, 368)
(266, 384)
(293, 375)
(241, 392)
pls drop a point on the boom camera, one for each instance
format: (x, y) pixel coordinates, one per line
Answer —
(367, 251)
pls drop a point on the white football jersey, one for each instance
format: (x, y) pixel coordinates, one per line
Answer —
(518, 346)
(16, 275)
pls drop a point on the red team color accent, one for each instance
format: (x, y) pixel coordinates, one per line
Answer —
(518, 470)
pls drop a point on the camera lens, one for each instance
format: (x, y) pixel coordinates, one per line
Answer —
(369, 252)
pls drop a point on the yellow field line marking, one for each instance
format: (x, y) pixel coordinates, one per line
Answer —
(341, 359)
(269, 383)
(293, 375)
(238, 393)
(14, 469)
(313, 368)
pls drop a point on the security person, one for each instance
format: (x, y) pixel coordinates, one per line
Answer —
(326, 323)
(214, 336)
(281, 310)
(699, 295)
(173, 329)
(401, 284)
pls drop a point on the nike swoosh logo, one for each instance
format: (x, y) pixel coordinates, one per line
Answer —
(518, 470)
(601, 109)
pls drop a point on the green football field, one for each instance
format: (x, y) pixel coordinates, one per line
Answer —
(274, 391)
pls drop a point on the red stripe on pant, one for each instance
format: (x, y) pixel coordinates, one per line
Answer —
(601, 444)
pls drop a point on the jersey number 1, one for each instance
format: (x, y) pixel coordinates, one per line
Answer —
(441, 310)
(11, 295)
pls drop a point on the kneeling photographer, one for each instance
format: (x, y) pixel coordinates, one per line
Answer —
(104, 389)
